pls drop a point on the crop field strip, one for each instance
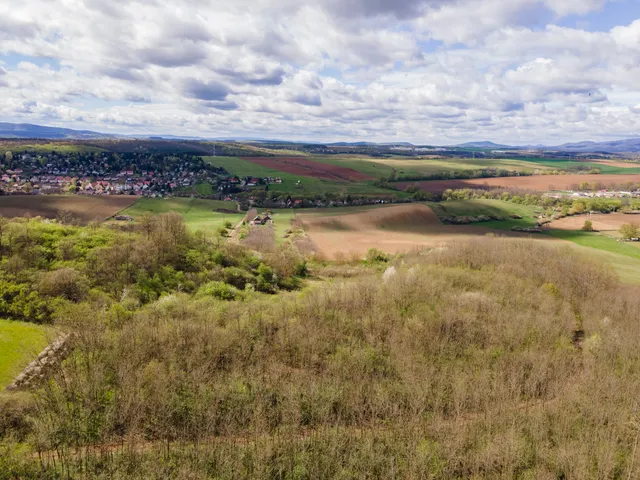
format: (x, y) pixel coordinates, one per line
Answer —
(540, 183)
(84, 207)
(302, 166)
(392, 229)
(297, 184)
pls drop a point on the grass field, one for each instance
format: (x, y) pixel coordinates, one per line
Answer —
(499, 208)
(568, 165)
(58, 147)
(19, 344)
(306, 186)
(204, 188)
(623, 257)
(600, 242)
(408, 166)
(199, 214)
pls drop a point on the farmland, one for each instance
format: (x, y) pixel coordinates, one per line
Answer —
(309, 168)
(392, 229)
(538, 183)
(610, 222)
(19, 343)
(85, 208)
(497, 208)
(296, 184)
(422, 166)
(199, 214)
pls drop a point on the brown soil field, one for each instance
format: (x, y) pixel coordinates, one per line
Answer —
(603, 222)
(393, 229)
(540, 183)
(86, 208)
(309, 168)
(613, 163)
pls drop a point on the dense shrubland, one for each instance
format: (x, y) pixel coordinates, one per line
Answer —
(492, 359)
(45, 265)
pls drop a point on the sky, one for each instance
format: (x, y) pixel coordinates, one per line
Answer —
(423, 71)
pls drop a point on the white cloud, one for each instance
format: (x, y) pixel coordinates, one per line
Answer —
(413, 69)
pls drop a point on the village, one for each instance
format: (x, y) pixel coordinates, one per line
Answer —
(117, 174)
(604, 193)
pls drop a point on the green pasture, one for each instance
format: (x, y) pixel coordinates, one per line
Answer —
(473, 208)
(199, 214)
(20, 343)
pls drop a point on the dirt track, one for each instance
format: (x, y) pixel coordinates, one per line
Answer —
(392, 229)
(309, 168)
(86, 208)
(540, 183)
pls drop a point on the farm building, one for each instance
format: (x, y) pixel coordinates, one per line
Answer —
(261, 220)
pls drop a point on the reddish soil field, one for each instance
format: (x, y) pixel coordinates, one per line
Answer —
(612, 163)
(604, 222)
(85, 208)
(540, 183)
(391, 229)
(309, 168)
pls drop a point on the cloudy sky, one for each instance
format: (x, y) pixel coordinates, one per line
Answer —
(427, 71)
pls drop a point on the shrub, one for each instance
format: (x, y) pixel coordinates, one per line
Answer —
(629, 231)
(238, 277)
(65, 282)
(219, 290)
(267, 280)
(376, 256)
(588, 226)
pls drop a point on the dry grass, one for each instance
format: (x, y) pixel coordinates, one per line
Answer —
(260, 238)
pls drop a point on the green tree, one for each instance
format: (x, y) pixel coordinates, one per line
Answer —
(629, 230)
(588, 226)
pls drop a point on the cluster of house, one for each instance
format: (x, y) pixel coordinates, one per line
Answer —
(124, 182)
(264, 219)
(598, 194)
(237, 183)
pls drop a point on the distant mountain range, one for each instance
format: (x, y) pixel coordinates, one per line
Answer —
(482, 145)
(26, 130)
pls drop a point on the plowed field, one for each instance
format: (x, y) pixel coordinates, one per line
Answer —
(540, 183)
(309, 168)
(603, 222)
(392, 229)
(86, 208)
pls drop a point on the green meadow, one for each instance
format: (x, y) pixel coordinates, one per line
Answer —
(20, 343)
(199, 214)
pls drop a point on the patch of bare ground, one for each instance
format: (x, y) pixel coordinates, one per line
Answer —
(84, 208)
(605, 222)
(310, 168)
